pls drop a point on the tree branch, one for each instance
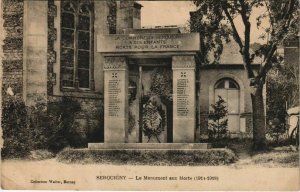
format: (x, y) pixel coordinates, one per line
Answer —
(268, 64)
(236, 36)
(276, 38)
(235, 32)
(246, 51)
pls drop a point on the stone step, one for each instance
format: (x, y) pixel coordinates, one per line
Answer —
(150, 146)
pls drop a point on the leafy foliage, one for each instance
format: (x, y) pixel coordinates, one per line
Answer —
(216, 20)
(161, 83)
(212, 31)
(43, 126)
(218, 122)
(282, 91)
(283, 18)
(15, 131)
(52, 126)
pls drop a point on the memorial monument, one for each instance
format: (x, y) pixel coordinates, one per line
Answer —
(161, 68)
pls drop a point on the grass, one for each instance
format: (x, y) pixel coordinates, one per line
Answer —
(211, 157)
(284, 156)
(281, 156)
(277, 157)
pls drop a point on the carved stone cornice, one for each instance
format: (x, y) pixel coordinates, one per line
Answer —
(115, 63)
(183, 62)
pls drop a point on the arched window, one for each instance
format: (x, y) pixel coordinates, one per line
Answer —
(76, 44)
(226, 83)
(229, 90)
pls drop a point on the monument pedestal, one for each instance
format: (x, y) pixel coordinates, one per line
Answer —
(115, 100)
(184, 99)
(149, 146)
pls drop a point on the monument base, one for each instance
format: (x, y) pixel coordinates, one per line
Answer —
(149, 146)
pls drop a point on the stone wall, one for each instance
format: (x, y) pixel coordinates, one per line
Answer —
(128, 16)
(51, 56)
(12, 63)
(90, 118)
(209, 75)
(112, 16)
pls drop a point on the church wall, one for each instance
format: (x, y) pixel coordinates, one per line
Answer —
(90, 118)
(35, 51)
(12, 60)
(101, 27)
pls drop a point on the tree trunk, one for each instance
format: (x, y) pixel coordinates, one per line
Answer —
(259, 121)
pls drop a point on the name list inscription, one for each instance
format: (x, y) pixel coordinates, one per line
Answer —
(114, 100)
(148, 42)
(182, 97)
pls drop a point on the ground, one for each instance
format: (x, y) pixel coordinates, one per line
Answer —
(18, 174)
(251, 172)
(284, 156)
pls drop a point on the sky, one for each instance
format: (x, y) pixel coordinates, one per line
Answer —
(161, 13)
(165, 12)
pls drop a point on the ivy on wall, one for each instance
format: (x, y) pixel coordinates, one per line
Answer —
(161, 83)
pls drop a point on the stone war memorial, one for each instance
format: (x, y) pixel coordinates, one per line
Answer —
(149, 78)
(136, 87)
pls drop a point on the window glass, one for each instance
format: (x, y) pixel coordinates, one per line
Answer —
(233, 85)
(83, 76)
(84, 23)
(84, 9)
(67, 57)
(83, 59)
(67, 38)
(76, 43)
(84, 40)
(67, 76)
(67, 20)
(68, 6)
(220, 85)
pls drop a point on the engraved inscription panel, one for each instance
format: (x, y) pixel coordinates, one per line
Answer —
(148, 42)
(114, 100)
(182, 97)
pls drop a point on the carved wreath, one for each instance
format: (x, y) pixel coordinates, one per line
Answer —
(152, 121)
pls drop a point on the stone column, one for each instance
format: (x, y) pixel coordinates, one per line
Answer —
(35, 44)
(184, 99)
(115, 100)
